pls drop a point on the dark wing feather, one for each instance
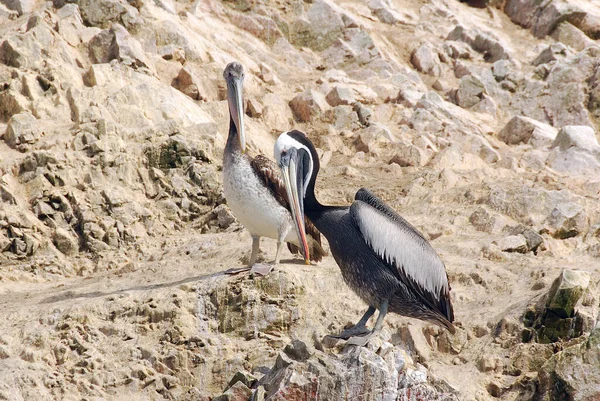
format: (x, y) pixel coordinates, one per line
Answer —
(268, 173)
(404, 250)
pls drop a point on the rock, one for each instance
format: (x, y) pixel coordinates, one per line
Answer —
(569, 35)
(276, 113)
(224, 216)
(489, 364)
(409, 155)
(566, 291)
(552, 13)
(101, 48)
(500, 70)
(527, 130)
(244, 377)
(22, 131)
(567, 220)
(319, 28)
(492, 48)
(550, 53)
(373, 139)
(513, 243)
(383, 10)
(187, 83)
(267, 75)
(357, 373)
(238, 392)
(484, 221)
(253, 108)
(117, 43)
(470, 91)
(20, 6)
(298, 351)
(173, 52)
(340, 95)
(534, 240)
(308, 105)
(567, 311)
(576, 136)
(103, 13)
(457, 50)
(342, 118)
(572, 374)
(98, 75)
(65, 242)
(364, 113)
(426, 60)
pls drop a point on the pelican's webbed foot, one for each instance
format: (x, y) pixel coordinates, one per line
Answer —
(262, 268)
(354, 331)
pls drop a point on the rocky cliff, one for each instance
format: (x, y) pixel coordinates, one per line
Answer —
(477, 121)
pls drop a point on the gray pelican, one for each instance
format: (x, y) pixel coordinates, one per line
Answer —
(382, 257)
(254, 190)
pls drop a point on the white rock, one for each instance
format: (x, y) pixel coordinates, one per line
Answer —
(513, 243)
(578, 136)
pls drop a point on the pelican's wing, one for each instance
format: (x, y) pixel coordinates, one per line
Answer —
(269, 174)
(403, 250)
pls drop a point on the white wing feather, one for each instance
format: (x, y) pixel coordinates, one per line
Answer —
(402, 247)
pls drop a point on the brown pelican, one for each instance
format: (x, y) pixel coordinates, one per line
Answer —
(254, 190)
(382, 257)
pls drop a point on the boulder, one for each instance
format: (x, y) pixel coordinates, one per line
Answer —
(573, 373)
(566, 291)
(356, 373)
(550, 53)
(117, 43)
(308, 105)
(470, 91)
(65, 242)
(319, 28)
(567, 220)
(340, 96)
(21, 6)
(527, 130)
(426, 60)
(569, 35)
(373, 139)
(22, 131)
(575, 151)
(513, 243)
(253, 108)
(384, 10)
(187, 83)
(576, 136)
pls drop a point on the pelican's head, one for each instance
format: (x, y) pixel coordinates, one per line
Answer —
(234, 76)
(296, 163)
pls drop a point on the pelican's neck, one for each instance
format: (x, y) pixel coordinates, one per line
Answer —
(232, 147)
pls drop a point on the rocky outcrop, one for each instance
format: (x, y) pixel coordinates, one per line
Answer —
(569, 310)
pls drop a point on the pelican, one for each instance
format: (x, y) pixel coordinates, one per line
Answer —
(383, 258)
(254, 190)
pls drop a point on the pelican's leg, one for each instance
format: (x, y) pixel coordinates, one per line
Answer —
(362, 340)
(252, 263)
(255, 249)
(283, 232)
(359, 328)
(260, 268)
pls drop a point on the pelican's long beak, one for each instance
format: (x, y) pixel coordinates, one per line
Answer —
(236, 108)
(293, 180)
